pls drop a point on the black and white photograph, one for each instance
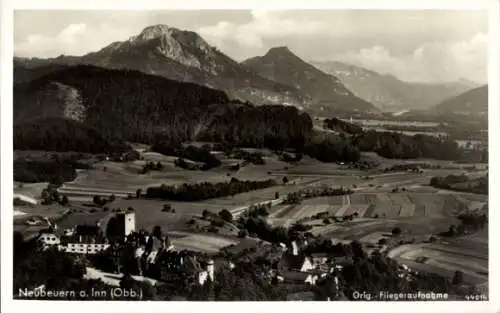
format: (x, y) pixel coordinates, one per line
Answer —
(324, 155)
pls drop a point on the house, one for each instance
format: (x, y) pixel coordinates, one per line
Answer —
(155, 246)
(299, 263)
(84, 248)
(296, 277)
(48, 240)
(320, 259)
(295, 260)
(341, 262)
(207, 272)
(283, 247)
(201, 270)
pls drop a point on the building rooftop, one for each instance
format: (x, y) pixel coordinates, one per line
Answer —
(295, 276)
(292, 261)
(320, 255)
(83, 239)
(82, 218)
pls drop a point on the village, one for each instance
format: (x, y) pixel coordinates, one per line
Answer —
(152, 256)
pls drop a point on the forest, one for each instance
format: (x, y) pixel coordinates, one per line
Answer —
(127, 105)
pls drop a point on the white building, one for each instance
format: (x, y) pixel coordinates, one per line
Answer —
(84, 248)
(207, 273)
(129, 223)
(49, 240)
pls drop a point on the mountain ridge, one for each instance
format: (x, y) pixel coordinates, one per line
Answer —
(282, 65)
(184, 56)
(474, 101)
(390, 93)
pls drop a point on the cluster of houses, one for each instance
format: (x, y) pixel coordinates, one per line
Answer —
(295, 267)
(113, 234)
(85, 238)
(154, 256)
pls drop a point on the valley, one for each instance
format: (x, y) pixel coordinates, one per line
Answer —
(417, 208)
(162, 164)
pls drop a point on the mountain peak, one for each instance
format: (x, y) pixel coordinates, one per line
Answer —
(279, 51)
(155, 31)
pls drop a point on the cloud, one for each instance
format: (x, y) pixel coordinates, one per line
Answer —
(433, 61)
(74, 39)
(262, 26)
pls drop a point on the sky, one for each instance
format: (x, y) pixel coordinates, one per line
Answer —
(413, 45)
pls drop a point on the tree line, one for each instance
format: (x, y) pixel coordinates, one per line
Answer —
(206, 190)
(51, 171)
(461, 183)
(190, 152)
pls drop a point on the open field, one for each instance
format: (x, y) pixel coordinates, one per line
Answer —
(33, 190)
(203, 242)
(419, 211)
(122, 178)
(29, 211)
(445, 258)
(382, 204)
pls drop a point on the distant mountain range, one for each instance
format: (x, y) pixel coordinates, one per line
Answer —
(328, 92)
(278, 77)
(182, 56)
(474, 102)
(185, 56)
(388, 92)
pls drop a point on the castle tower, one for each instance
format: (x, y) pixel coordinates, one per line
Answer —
(120, 226)
(211, 269)
(129, 223)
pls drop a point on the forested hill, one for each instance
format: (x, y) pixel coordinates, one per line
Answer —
(59, 134)
(133, 106)
(473, 102)
(118, 103)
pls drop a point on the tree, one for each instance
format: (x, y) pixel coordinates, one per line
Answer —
(226, 215)
(97, 200)
(159, 166)
(167, 207)
(326, 221)
(127, 282)
(452, 230)
(396, 231)
(285, 180)
(205, 214)
(157, 232)
(243, 233)
(458, 278)
(64, 201)
(57, 181)
(382, 241)
(147, 289)
(112, 198)
(138, 193)
(276, 195)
